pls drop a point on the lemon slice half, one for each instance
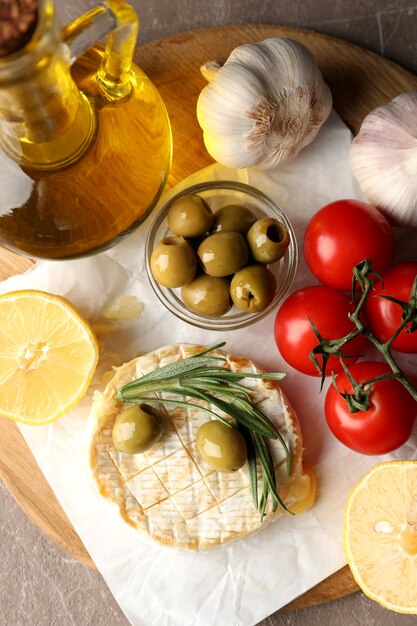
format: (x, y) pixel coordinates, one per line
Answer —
(380, 535)
(48, 355)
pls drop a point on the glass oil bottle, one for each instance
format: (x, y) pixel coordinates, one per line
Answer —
(85, 140)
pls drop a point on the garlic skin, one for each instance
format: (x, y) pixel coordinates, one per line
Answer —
(383, 159)
(264, 105)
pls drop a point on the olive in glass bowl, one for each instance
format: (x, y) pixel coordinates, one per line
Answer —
(208, 295)
(268, 240)
(218, 195)
(173, 262)
(234, 217)
(190, 216)
(253, 288)
(223, 253)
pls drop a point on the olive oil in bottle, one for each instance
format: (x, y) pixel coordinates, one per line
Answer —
(84, 150)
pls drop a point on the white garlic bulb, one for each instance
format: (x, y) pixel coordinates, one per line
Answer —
(264, 105)
(383, 158)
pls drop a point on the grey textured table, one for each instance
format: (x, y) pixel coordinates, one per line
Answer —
(39, 584)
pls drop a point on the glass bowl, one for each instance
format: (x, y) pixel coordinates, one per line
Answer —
(219, 194)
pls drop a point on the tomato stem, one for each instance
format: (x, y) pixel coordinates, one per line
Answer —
(363, 276)
(359, 400)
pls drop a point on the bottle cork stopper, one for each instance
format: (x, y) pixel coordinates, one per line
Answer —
(18, 19)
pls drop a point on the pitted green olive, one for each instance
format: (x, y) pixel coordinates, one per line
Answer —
(253, 288)
(173, 262)
(223, 448)
(190, 216)
(233, 217)
(268, 240)
(223, 254)
(137, 429)
(207, 295)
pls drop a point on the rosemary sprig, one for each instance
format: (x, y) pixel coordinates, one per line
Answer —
(200, 377)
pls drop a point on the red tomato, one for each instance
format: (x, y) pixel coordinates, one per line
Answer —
(385, 426)
(384, 317)
(341, 235)
(294, 335)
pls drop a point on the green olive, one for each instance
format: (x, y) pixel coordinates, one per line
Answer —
(253, 288)
(190, 216)
(234, 217)
(223, 448)
(137, 429)
(173, 262)
(207, 295)
(223, 254)
(268, 240)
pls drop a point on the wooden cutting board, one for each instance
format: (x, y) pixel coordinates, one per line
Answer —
(359, 81)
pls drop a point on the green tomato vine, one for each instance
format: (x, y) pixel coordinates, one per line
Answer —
(364, 279)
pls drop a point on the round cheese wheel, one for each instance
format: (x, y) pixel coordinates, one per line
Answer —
(169, 492)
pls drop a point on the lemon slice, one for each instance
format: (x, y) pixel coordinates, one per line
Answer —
(48, 355)
(380, 535)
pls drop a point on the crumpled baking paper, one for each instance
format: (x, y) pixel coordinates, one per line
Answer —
(243, 582)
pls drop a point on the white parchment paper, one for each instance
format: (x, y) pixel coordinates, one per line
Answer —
(243, 582)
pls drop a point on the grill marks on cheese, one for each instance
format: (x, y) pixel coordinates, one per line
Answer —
(169, 492)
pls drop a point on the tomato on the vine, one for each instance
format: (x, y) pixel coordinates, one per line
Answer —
(385, 425)
(328, 309)
(385, 316)
(341, 235)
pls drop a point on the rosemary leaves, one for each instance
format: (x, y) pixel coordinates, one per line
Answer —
(200, 377)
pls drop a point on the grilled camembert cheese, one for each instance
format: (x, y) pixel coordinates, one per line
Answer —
(169, 492)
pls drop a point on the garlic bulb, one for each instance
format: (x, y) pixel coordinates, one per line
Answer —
(383, 158)
(264, 105)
